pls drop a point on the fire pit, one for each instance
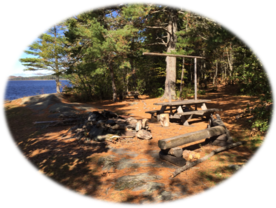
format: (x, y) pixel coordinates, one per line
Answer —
(102, 126)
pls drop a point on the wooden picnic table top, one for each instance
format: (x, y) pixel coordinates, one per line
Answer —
(182, 102)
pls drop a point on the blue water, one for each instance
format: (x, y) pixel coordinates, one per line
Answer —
(19, 89)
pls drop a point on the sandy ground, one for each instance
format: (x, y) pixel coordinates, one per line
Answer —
(77, 166)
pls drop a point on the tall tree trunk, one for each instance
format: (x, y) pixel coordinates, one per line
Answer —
(191, 71)
(230, 62)
(56, 62)
(133, 74)
(127, 80)
(114, 97)
(216, 74)
(182, 76)
(171, 61)
(57, 84)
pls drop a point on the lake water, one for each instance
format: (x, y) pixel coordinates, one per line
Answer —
(19, 89)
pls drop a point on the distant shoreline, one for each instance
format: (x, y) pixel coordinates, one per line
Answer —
(35, 79)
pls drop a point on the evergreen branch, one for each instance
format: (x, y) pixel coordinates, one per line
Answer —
(203, 37)
(162, 40)
(158, 44)
(158, 27)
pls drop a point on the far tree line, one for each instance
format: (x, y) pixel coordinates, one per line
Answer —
(45, 77)
(101, 53)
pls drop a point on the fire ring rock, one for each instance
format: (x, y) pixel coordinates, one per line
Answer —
(143, 134)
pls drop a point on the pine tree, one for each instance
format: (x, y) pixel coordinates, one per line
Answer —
(48, 53)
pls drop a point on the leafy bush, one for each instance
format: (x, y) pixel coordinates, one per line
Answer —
(262, 116)
(157, 92)
(201, 92)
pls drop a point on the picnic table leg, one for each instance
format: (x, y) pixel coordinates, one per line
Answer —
(163, 108)
(185, 120)
(204, 107)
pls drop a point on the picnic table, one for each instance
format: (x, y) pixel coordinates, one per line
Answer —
(183, 110)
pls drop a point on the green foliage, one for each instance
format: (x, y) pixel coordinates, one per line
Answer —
(262, 117)
(201, 92)
(157, 93)
(47, 53)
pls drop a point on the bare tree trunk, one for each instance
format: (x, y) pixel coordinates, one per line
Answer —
(182, 76)
(171, 61)
(57, 84)
(113, 82)
(133, 76)
(225, 69)
(230, 62)
(191, 72)
(56, 63)
(216, 74)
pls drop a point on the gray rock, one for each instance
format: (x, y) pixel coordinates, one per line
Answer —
(127, 163)
(143, 134)
(149, 187)
(165, 195)
(134, 181)
(123, 151)
(107, 162)
(61, 107)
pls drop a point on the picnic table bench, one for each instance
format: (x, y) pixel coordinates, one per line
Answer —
(182, 110)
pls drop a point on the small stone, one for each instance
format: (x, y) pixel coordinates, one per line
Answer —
(143, 134)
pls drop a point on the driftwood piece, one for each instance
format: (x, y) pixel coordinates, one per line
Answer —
(138, 125)
(191, 164)
(165, 119)
(144, 122)
(58, 122)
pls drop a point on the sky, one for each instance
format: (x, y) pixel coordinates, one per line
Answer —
(16, 68)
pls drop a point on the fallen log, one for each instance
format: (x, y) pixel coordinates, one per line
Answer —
(58, 122)
(190, 137)
(179, 161)
(176, 152)
(191, 164)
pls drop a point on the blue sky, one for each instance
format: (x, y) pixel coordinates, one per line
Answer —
(18, 69)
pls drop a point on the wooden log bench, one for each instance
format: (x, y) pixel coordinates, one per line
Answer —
(217, 133)
(186, 116)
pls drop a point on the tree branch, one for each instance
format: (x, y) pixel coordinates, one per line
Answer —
(158, 38)
(157, 44)
(203, 37)
(181, 12)
(191, 164)
(156, 27)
